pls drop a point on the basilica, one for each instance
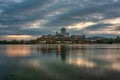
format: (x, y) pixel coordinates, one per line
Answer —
(62, 37)
(63, 33)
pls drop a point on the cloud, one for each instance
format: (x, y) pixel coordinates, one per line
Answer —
(81, 25)
(117, 28)
(17, 37)
(34, 17)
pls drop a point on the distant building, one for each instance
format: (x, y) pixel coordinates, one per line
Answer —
(62, 37)
(78, 36)
(63, 33)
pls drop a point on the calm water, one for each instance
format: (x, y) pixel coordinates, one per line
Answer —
(60, 62)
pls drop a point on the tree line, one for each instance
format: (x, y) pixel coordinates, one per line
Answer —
(86, 41)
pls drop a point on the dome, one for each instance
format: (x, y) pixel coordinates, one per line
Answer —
(63, 28)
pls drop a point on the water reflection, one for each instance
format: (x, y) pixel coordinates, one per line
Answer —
(60, 62)
(113, 56)
(82, 63)
(18, 50)
(62, 50)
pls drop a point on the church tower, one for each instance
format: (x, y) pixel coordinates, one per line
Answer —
(64, 33)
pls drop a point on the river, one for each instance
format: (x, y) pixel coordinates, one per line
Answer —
(60, 62)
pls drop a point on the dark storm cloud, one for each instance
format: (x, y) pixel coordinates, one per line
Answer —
(97, 27)
(68, 17)
(54, 14)
(23, 12)
(118, 28)
(18, 31)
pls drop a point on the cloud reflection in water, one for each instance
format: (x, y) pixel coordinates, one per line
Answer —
(18, 50)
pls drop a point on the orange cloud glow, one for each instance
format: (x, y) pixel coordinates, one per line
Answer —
(17, 37)
(105, 32)
(81, 25)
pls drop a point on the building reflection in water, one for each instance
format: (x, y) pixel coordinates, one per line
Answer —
(63, 52)
(60, 50)
(46, 49)
(18, 50)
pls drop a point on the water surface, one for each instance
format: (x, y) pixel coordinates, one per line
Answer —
(60, 62)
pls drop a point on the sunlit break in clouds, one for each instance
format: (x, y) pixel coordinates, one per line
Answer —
(18, 37)
(39, 17)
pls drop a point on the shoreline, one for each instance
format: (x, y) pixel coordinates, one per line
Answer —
(59, 44)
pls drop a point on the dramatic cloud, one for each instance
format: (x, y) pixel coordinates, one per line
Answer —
(37, 17)
(18, 37)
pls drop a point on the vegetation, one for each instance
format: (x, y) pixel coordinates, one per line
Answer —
(109, 41)
(86, 41)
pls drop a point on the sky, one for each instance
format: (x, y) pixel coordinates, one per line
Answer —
(25, 19)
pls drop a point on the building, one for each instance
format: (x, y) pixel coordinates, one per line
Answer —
(78, 36)
(62, 37)
(63, 33)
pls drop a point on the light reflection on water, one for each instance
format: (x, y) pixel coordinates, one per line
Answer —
(60, 62)
(18, 50)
